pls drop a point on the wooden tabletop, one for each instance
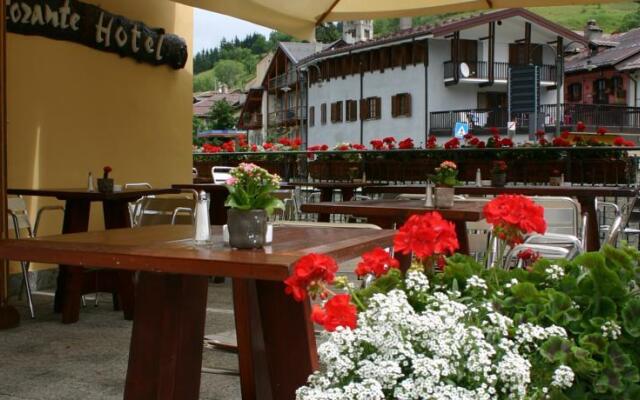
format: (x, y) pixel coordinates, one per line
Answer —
(461, 211)
(170, 249)
(74, 193)
(571, 191)
(336, 184)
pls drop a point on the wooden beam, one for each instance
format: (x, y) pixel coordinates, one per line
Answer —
(9, 316)
(527, 41)
(325, 14)
(455, 56)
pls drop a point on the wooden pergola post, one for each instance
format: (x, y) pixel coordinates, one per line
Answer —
(9, 317)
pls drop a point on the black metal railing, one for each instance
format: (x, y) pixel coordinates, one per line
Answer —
(284, 80)
(480, 70)
(614, 118)
(252, 120)
(287, 116)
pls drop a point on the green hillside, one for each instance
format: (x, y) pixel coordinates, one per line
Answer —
(609, 16)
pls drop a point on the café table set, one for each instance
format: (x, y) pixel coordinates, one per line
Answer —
(276, 342)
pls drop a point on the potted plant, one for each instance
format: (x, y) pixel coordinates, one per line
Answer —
(445, 178)
(251, 200)
(499, 173)
(105, 184)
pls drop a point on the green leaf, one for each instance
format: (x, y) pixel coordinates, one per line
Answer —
(556, 349)
(631, 317)
(609, 381)
(616, 358)
(525, 291)
(594, 342)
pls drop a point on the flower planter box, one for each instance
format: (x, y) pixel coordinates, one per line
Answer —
(602, 171)
(336, 170)
(284, 168)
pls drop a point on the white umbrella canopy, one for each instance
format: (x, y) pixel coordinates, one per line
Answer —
(300, 17)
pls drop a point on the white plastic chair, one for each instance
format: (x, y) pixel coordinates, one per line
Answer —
(220, 174)
(19, 221)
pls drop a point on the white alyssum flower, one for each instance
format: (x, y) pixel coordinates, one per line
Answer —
(476, 282)
(554, 273)
(511, 283)
(611, 329)
(445, 351)
(563, 377)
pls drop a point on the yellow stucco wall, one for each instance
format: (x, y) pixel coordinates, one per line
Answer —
(73, 109)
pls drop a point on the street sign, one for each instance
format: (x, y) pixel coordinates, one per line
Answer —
(511, 126)
(461, 129)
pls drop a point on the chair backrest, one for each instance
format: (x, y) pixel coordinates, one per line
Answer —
(18, 207)
(561, 213)
(220, 174)
(165, 211)
(549, 252)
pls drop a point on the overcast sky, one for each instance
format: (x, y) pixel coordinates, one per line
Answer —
(210, 28)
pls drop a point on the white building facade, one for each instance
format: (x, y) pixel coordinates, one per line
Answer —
(423, 80)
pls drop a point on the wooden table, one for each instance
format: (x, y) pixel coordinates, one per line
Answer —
(276, 342)
(387, 212)
(73, 281)
(585, 195)
(327, 188)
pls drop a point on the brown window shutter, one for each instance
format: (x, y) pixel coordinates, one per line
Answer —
(340, 111)
(364, 109)
(394, 106)
(378, 103)
(333, 112)
(407, 104)
(312, 116)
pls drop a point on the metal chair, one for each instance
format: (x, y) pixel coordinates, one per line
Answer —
(550, 252)
(289, 212)
(134, 207)
(220, 174)
(167, 210)
(19, 221)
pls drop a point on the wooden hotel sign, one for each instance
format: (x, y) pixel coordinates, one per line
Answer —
(83, 23)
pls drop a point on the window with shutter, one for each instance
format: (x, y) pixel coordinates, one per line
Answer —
(351, 111)
(312, 116)
(336, 112)
(401, 105)
(323, 113)
(364, 109)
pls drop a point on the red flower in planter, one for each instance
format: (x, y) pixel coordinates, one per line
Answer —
(565, 134)
(602, 130)
(406, 144)
(581, 127)
(619, 141)
(254, 147)
(242, 140)
(377, 144)
(543, 142)
(229, 146)
(389, 140)
(376, 262)
(529, 255)
(452, 144)
(540, 133)
(310, 273)
(512, 216)
(629, 143)
(560, 142)
(426, 235)
(209, 148)
(494, 131)
(481, 145)
(337, 311)
(343, 147)
(284, 141)
(267, 146)
(432, 142)
(506, 142)
(358, 146)
(296, 143)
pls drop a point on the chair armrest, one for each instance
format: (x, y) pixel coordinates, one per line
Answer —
(16, 223)
(180, 210)
(36, 225)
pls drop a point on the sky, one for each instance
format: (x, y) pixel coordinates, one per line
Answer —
(210, 28)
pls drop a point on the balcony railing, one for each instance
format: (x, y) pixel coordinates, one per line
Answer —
(284, 80)
(614, 118)
(252, 120)
(288, 116)
(479, 70)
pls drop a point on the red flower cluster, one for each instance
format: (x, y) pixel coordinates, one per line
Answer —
(473, 141)
(581, 127)
(432, 142)
(267, 146)
(229, 146)
(318, 147)
(512, 216)
(390, 141)
(529, 255)
(620, 141)
(377, 144)
(601, 131)
(242, 141)
(358, 146)
(540, 134)
(406, 144)
(426, 235)
(106, 170)
(209, 148)
(309, 275)
(294, 144)
(337, 311)
(376, 262)
(562, 140)
(494, 131)
(452, 144)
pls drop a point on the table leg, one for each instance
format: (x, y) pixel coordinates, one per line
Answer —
(165, 357)
(588, 206)
(251, 352)
(289, 339)
(463, 237)
(116, 215)
(326, 194)
(76, 219)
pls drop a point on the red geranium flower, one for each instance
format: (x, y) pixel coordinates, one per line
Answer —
(358, 146)
(468, 136)
(209, 148)
(431, 142)
(284, 141)
(629, 143)
(376, 262)
(452, 144)
(543, 142)
(513, 216)
(309, 275)
(565, 134)
(619, 141)
(338, 311)
(254, 147)
(229, 146)
(540, 133)
(506, 142)
(529, 255)
(107, 169)
(426, 235)
(494, 131)
(343, 147)
(389, 140)
(602, 130)
(377, 144)
(560, 142)
(581, 127)
(406, 144)
(267, 146)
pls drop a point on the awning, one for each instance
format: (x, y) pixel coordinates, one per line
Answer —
(300, 17)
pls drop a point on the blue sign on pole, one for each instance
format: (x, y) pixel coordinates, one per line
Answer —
(461, 129)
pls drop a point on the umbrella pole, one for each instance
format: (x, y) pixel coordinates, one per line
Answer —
(9, 316)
